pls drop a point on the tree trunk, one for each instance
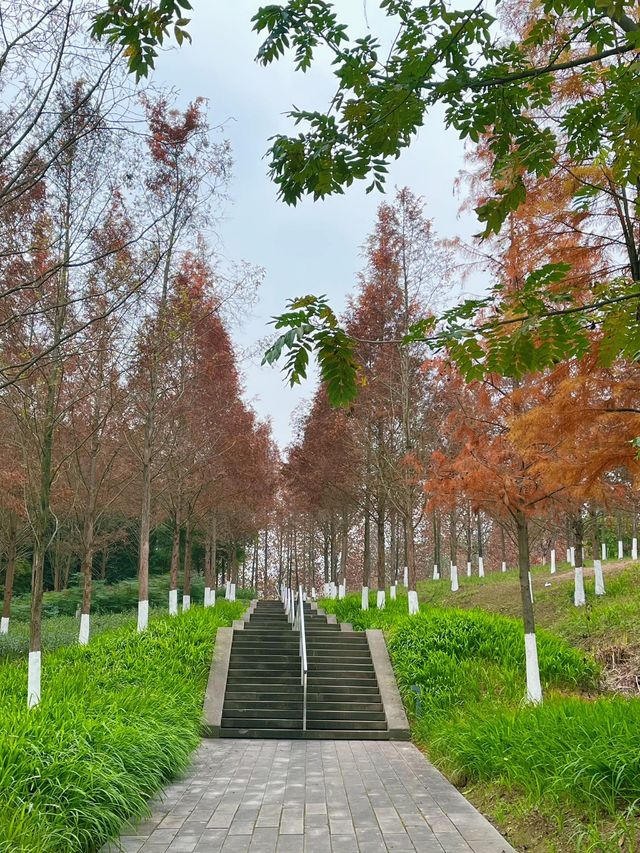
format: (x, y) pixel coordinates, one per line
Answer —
(186, 588)
(265, 581)
(174, 570)
(453, 537)
(366, 556)
(480, 548)
(381, 564)
(534, 687)
(88, 537)
(469, 538)
(145, 519)
(334, 549)
(11, 571)
(344, 550)
(325, 555)
(579, 598)
(436, 543)
(411, 560)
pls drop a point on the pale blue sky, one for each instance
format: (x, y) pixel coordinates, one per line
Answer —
(315, 247)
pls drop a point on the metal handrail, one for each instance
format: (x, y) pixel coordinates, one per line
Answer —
(303, 655)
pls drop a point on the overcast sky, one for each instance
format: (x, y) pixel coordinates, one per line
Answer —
(315, 247)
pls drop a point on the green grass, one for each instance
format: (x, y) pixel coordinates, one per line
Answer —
(611, 620)
(118, 718)
(461, 674)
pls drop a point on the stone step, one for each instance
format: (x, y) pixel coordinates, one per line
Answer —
(309, 734)
(269, 705)
(280, 662)
(341, 678)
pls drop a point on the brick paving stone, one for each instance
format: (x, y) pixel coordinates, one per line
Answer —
(270, 796)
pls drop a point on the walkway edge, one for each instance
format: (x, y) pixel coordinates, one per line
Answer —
(397, 722)
(217, 683)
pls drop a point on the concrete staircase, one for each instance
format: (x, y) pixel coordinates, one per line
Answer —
(263, 697)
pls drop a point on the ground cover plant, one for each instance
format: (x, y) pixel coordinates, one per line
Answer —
(119, 717)
(576, 757)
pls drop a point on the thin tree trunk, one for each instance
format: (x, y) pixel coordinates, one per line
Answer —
(480, 545)
(145, 516)
(381, 563)
(469, 539)
(88, 542)
(186, 587)
(12, 549)
(534, 688)
(265, 580)
(366, 556)
(174, 570)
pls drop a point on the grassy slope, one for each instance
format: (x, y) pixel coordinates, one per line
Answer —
(561, 777)
(118, 718)
(609, 627)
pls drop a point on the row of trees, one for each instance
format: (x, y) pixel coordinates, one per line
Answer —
(120, 399)
(428, 471)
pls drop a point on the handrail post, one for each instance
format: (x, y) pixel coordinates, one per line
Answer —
(303, 656)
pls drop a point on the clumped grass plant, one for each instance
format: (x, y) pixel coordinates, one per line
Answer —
(118, 718)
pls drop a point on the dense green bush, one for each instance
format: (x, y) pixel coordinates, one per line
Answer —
(115, 598)
(118, 718)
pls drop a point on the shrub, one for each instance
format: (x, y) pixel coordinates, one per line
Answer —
(118, 718)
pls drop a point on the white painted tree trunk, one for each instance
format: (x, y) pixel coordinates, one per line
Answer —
(504, 567)
(572, 556)
(364, 598)
(534, 687)
(568, 555)
(232, 592)
(392, 592)
(634, 548)
(333, 590)
(579, 598)
(413, 602)
(173, 602)
(34, 679)
(406, 576)
(83, 638)
(468, 570)
(604, 551)
(313, 593)
(480, 567)
(186, 603)
(380, 600)
(436, 573)
(342, 590)
(143, 615)
(4, 625)
(454, 579)
(553, 561)
(597, 566)
(326, 590)
(620, 550)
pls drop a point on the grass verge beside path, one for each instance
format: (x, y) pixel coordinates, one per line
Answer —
(564, 776)
(118, 718)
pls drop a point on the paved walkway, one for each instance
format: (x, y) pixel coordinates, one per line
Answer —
(270, 796)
